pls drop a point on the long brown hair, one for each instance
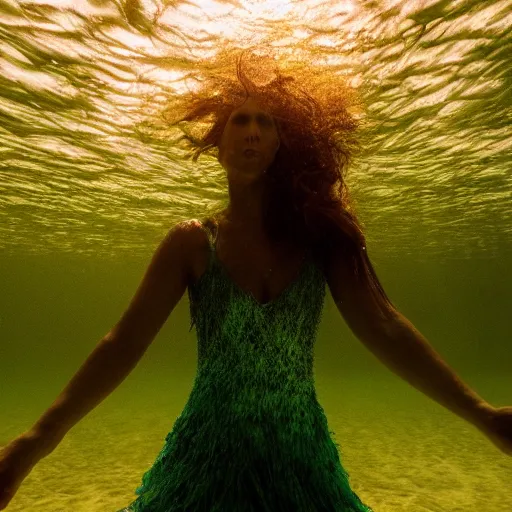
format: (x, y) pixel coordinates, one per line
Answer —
(306, 199)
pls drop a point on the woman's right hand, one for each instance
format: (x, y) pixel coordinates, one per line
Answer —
(17, 460)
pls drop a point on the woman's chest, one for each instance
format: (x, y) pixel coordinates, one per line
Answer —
(257, 268)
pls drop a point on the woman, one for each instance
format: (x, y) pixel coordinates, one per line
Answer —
(253, 435)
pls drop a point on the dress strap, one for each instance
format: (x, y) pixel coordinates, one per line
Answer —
(209, 226)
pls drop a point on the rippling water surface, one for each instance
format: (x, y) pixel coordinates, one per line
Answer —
(75, 176)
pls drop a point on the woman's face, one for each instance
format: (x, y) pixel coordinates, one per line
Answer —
(248, 127)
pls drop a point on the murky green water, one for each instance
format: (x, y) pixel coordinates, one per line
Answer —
(84, 201)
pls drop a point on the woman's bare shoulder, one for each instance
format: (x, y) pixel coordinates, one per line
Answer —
(198, 231)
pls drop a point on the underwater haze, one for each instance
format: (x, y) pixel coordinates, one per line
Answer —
(85, 200)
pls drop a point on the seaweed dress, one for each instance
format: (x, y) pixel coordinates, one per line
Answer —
(252, 436)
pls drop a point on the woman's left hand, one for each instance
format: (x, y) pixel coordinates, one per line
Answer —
(497, 426)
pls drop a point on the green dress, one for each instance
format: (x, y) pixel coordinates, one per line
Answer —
(252, 436)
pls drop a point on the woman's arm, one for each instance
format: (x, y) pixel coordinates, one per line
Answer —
(399, 345)
(406, 352)
(117, 354)
(106, 367)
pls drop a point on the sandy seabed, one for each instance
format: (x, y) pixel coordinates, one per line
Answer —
(401, 455)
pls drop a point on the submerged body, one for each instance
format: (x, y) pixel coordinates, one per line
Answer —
(252, 436)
